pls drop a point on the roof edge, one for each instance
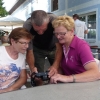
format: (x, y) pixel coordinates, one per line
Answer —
(16, 6)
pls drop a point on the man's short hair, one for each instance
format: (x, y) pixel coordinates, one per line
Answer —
(76, 15)
(38, 17)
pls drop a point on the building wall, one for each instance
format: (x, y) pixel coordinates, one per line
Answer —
(72, 3)
(82, 7)
(69, 7)
(24, 11)
(61, 7)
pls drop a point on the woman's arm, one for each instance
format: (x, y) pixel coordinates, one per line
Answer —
(91, 74)
(18, 84)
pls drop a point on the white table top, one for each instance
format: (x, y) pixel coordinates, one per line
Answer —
(68, 91)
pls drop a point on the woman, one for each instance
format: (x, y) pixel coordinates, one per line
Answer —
(78, 64)
(12, 60)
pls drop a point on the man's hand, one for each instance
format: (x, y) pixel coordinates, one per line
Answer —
(34, 69)
(58, 56)
(53, 71)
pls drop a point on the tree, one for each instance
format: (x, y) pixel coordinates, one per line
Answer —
(3, 11)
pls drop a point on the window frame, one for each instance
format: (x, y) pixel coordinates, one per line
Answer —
(52, 7)
(86, 20)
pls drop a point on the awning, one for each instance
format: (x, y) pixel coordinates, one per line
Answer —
(10, 21)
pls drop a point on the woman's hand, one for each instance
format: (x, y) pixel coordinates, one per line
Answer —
(61, 78)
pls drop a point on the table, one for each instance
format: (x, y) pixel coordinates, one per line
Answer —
(95, 47)
(62, 91)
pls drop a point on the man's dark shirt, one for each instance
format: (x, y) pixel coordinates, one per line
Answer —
(45, 41)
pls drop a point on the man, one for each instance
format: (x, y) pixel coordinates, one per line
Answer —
(4, 40)
(45, 44)
(80, 27)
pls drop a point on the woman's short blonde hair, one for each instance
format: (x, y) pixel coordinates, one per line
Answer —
(66, 21)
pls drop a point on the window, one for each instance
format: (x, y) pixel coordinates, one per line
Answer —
(90, 20)
(92, 26)
(54, 4)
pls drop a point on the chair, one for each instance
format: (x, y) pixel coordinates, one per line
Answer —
(95, 51)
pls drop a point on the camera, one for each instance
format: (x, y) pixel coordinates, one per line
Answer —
(42, 75)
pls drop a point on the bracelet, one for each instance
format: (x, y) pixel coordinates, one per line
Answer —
(73, 78)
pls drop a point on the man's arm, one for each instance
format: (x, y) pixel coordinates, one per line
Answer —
(58, 56)
(18, 84)
(30, 56)
(27, 24)
(30, 60)
(85, 29)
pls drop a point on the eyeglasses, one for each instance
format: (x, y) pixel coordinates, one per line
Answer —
(23, 43)
(59, 33)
